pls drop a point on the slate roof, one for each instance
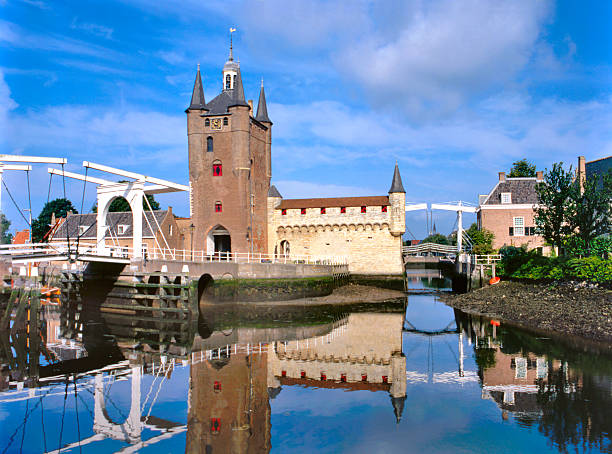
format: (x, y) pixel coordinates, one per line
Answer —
(262, 108)
(273, 192)
(334, 202)
(522, 191)
(220, 103)
(71, 225)
(197, 97)
(396, 184)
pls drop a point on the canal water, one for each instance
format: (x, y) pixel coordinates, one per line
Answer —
(410, 375)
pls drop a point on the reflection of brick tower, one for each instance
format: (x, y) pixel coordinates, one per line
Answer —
(229, 410)
(229, 166)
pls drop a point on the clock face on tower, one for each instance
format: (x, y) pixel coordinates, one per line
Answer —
(215, 124)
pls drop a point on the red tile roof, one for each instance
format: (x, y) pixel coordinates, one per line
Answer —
(334, 202)
(21, 237)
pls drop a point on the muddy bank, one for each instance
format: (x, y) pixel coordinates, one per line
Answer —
(347, 294)
(572, 309)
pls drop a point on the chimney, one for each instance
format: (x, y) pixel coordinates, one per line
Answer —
(502, 176)
(251, 104)
(540, 175)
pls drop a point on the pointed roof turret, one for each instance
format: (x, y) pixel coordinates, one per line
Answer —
(273, 192)
(398, 407)
(262, 108)
(396, 184)
(238, 92)
(197, 97)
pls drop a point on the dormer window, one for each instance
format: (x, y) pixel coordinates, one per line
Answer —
(121, 229)
(228, 82)
(506, 197)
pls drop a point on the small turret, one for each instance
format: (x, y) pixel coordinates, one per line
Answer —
(197, 96)
(397, 200)
(238, 92)
(262, 108)
(398, 407)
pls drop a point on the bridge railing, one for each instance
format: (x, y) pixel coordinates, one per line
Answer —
(430, 248)
(186, 255)
(486, 259)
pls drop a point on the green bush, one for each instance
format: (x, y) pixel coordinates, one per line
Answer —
(520, 264)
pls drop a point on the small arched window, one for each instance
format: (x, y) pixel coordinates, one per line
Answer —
(207, 122)
(217, 169)
(225, 121)
(218, 207)
(209, 144)
(234, 80)
(228, 82)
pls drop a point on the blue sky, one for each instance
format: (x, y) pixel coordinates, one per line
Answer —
(452, 91)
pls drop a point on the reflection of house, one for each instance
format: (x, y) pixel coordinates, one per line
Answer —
(158, 227)
(354, 360)
(515, 379)
(508, 211)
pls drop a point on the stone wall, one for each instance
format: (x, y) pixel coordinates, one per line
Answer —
(365, 239)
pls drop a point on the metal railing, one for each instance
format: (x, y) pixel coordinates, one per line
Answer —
(430, 248)
(488, 259)
(186, 255)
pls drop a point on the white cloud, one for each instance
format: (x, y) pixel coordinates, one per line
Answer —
(444, 52)
(6, 105)
(93, 29)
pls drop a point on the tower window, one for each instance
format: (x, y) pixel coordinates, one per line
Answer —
(215, 425)
(217, 169)
(303, 211)
(342, 210)
(384, 208)
(209, 144)
(322, 210)
(234, 81)
(228, 82)
(284, 212)
(218, 207)
(225, 121)
(207, 122)
(363, 209)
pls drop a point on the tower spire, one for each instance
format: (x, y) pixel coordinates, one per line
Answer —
(396, 184)
(238, 92)
(262, 108)
(197, 96)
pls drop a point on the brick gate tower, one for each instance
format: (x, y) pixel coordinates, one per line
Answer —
(229, 166)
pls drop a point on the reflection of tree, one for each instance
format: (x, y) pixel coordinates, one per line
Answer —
(574, 400)
(485, 357)
(574, 418)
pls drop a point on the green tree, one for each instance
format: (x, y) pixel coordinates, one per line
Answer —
(5, 236)
(522, 168)
(436, 238)
(482, 240)
(120, 204)
(551, 215)
(41, 225)
(590, 210)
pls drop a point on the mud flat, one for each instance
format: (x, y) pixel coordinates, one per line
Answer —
(573, 308)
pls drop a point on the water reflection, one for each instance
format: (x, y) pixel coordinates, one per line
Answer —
(410, 374)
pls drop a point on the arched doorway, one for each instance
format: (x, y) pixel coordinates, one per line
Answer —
(285, 248)
(219, 242)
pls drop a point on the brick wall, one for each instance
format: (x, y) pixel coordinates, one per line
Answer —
(498, 221)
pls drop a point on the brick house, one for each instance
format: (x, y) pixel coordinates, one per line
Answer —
(158, 227)
(509, 210)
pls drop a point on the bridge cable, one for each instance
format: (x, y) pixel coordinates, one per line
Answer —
(49, 190)
(59, 446)
(29, 199)
(25, 421)
(76, 407)
(42, 422)
(12, 437)
(81, 216)
(67, 230)
(15, 203)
